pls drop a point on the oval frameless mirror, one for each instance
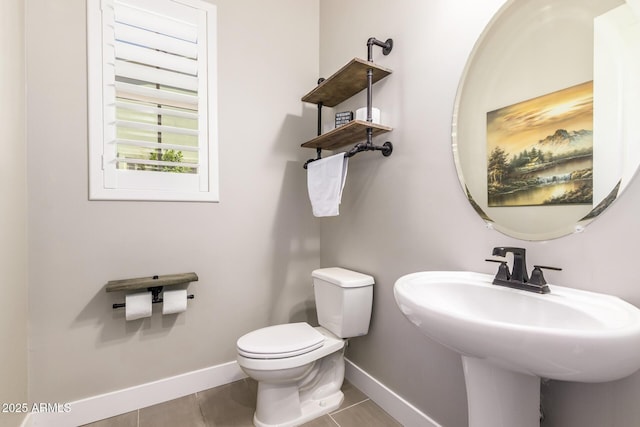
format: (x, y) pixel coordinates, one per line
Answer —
(545, 128)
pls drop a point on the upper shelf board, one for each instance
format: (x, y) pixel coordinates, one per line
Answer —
(346, 82)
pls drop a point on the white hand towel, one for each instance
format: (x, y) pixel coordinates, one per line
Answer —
(325, 181)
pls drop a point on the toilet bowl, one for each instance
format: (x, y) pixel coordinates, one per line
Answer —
(293, 389)
(300, 368)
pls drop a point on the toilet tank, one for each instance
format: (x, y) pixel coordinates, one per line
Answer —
(343, 300)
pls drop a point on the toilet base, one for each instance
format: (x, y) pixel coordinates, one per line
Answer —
(310, 410)
(289, 404)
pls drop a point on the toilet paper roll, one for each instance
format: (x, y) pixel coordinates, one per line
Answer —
(361, 114)
(138, 305)
(174, 301)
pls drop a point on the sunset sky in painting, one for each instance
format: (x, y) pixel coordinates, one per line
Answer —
(520, 126)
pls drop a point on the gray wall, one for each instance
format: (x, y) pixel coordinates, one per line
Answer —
(13, 211)
(407, 213)
(253, 251)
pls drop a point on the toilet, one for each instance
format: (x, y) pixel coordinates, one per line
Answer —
(300, 368)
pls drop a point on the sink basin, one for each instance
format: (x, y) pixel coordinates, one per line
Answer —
(568, 334)
(515, 337)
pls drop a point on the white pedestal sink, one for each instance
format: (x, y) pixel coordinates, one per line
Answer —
(509, 338)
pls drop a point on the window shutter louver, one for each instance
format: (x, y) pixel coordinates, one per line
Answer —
(155, 95)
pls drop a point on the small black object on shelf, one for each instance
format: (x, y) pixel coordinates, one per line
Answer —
(343, 117)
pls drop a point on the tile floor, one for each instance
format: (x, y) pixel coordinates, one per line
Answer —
(232, 405)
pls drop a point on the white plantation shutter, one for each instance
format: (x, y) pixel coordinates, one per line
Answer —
(156, 90)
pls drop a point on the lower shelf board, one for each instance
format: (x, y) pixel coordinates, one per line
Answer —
(351, 133)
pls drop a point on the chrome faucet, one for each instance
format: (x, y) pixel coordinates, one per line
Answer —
(518, 277)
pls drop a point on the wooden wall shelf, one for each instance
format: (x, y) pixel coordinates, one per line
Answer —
(351, 133)
(344, 83)
(150, 282)
(354, 77)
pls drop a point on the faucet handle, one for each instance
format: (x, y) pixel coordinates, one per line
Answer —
(546, 267)
(503, 270)
(537, 278)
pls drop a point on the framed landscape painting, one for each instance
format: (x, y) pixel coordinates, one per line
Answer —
(540, 151)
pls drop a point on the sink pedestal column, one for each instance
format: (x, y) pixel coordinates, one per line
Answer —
(499, 397)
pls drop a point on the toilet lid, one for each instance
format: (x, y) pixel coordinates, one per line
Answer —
(279, 341)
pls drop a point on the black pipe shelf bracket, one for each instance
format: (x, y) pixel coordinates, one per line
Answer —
(346, 82)
(153, 284)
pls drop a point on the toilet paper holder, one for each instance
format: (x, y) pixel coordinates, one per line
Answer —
(153, 284)
(155, 297)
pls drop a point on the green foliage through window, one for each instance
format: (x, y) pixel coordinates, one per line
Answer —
(169, 156)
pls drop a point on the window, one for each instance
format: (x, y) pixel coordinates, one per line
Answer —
(152, 100)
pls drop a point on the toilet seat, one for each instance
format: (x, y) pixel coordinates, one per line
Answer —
(280, 341)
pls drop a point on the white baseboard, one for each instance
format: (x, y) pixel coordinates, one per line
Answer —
(121, 401)
(396, 406)
(126, 400)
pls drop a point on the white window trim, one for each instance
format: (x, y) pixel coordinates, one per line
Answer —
(166, 186)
